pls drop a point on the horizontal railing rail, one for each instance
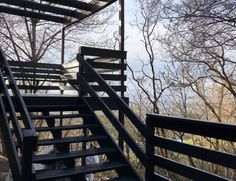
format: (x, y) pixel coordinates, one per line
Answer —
(32, 77)
(119, 101)
(121, 105)
(26, 134)
(115, 122)
(104, 53)
(202, 128)
(12, 154)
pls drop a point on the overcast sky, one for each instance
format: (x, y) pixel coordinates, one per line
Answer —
(133, 44)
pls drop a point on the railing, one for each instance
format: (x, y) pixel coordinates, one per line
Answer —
(196, 127)
(26, 137)
(33, 77)
(87, 69)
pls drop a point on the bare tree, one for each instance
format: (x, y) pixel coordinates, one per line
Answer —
(148, 78)
(202, 33)
(201, 43)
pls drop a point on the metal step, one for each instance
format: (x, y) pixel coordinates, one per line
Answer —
(67, 172)
(40, 108)
(62, 128)
(60, 116)
(71, 140)
(52, 157)
(72, 127)
(124, 178)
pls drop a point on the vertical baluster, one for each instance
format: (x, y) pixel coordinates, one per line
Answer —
(150, 150)
(29, 140)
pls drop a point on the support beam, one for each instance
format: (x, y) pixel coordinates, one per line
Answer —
(76, 4)
(62, 45)
(19, 12)
(44, 8)
(74, 10)
(122, 61)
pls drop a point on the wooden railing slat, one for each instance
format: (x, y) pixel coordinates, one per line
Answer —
(186, 171)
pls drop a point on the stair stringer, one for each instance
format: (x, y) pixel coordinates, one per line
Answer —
(131, 171)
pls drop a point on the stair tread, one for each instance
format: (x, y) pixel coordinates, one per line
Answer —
(58, 105)
(60, 116)
(60, 173)
(124, 178)
(75, 154)
(54, 107)
(61, 128)
(72, 127)
(71, 140)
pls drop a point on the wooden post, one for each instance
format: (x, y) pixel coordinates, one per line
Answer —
(29, 140)
(84, 144)
(150, 151)
(122, 61)
(62, 62)
(81, 72)
(62, 45)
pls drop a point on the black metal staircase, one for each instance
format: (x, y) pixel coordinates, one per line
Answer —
(71, 124)
(115, 160)
(52, 112)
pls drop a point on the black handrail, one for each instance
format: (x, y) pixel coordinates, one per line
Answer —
(116, 98)
(196, 127)
(13, 158)
(11, 109)
(120, 128)
(26, 137)
(141, 127)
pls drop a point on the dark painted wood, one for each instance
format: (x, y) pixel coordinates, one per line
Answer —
(104, 65)
(60, 128)
(29, 143)
(60, 173)
(51, 100)
(63, 10)
(40, 80)
(125, 178)
(30, 87)
(186, 171)
(31, 14)
(56, 133)
(120, 103)
(217, 157)
(104, 53)
(110, 77)
(107, 100)
(160, 178)
(120, 155)
(64, 116)
(71, 140)
(150, 150)
(10, 108)
(100, 88)
(119, 127)
(53, 107)
(76, 4)
(13, 158)
(44, 7)
(36, 70)
(203, 128)
(35, 65)
(27, 137)
(52, 157)
(122, 60)
(40, 76)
